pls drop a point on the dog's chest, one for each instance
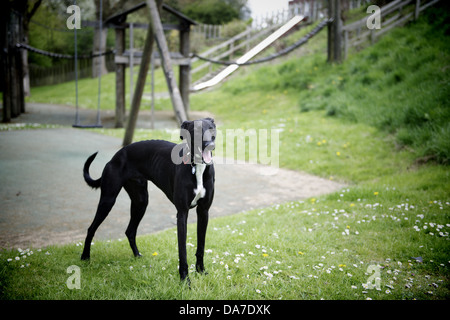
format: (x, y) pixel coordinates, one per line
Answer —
(199, 191)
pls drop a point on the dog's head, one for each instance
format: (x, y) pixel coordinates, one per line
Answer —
(200, 136)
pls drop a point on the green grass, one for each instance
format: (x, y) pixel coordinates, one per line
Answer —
(297, 250)
(393, 209)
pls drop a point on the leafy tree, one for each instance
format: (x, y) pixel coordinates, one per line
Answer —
(211, 11)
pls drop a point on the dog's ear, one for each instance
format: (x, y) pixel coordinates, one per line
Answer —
(185, 124)
(210, 119)
(184, 129)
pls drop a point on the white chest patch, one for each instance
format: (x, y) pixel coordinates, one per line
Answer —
(199, 191)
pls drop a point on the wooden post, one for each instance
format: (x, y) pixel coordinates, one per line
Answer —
(152, 62)
(314, 11)
(139, 89)
(417, 10)
(15, 109)
(131, 61)
(120, 79)
(335, 32)
(175, 94)
(5, 60)
(330, 33)
(345, 44)
(231, 50)
(19, 68)
(185, 70)
(13, 91)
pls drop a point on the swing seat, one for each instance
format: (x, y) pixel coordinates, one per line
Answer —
(87, 126)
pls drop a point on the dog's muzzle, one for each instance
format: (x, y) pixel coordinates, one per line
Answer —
(207, 153)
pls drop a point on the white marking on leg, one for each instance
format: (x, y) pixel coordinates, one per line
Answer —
(199, 191)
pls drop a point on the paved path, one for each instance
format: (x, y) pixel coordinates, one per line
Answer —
(44, 199)
(65, 115)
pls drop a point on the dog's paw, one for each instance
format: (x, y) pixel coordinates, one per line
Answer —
(201, 269)
(187, 282)
(184, 278)
(85, 257)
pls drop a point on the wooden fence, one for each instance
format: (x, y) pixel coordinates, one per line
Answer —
(395, 13)
(209, 31)
(229, 48)
(64, 71)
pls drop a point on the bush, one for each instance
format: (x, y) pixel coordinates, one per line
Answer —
(211, 12)
(233, 28)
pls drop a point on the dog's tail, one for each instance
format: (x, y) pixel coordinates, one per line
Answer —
(91, 182)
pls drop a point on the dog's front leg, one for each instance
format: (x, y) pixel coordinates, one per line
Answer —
(182, 232)
(202, 224)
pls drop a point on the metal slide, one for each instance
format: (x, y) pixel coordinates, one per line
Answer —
(250, 54)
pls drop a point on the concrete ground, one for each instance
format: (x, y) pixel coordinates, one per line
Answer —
(44, 199)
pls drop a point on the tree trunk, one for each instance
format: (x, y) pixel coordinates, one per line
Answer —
(27, 9)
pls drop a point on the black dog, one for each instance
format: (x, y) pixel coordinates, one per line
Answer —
(184, 172)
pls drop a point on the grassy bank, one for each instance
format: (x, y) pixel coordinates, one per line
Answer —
(391, 222)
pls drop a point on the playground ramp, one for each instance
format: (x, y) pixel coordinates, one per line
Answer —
(250, 54)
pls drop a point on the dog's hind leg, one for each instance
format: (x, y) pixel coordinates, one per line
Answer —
(110, 188)
(107, 200)
(137, 190)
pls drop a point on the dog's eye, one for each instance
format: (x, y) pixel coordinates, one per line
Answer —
(209, 135)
